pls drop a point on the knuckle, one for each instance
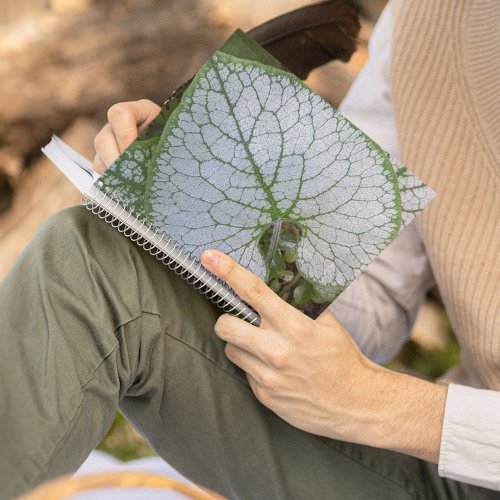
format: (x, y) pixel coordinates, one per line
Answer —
(295, 329)
(98, 140)
(268, 380)
(300, 328)
(147, 103)
(284, 311)
(222, 324)
(261, 394)
(279, 358)
(256, 288)
(230, 352)
(117, 110)
(230, 267)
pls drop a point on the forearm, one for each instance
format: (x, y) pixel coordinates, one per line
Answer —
(400, 413)
(313, 375)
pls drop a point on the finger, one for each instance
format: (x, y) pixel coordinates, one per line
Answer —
(259, 390)
(98, 165)
(149, 111)
(246, 284)
(243, 335)
(106, 146)
(251, 365)
(127, 119)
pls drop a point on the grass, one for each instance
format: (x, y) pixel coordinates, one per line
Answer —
(124, 442)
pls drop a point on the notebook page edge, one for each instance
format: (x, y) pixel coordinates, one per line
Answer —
(60, 156)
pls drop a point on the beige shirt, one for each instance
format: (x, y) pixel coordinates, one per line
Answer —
(380, 307)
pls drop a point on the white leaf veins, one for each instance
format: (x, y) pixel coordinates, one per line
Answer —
(250, 146)
(415, 195)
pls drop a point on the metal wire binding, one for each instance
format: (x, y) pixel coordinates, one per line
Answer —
(212, 290)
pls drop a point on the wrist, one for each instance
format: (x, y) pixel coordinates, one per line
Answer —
(402, 413)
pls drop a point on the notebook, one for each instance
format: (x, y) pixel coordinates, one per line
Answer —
(245, 158)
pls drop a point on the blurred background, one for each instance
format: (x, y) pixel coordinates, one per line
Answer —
(63, 63)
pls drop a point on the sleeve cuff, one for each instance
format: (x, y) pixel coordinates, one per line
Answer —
(470, 442)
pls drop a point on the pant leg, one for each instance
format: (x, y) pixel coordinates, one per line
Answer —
(62, 368)
(90, 322)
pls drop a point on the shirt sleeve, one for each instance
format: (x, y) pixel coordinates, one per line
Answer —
(379, 308)
(470, 442)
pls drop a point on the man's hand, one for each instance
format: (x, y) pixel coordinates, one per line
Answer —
(304, 370)
(312, 374)
(126, 121)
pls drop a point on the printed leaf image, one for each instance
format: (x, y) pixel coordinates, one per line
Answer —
(249, 148)
(252, 162)
(126, 179)
(415, 195)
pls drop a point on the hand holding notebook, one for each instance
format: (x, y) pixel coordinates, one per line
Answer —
(248, 160)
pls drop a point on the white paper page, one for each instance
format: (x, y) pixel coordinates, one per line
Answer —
(71, 163)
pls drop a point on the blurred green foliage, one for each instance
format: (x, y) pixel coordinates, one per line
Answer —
(426, 363)
(124, 442)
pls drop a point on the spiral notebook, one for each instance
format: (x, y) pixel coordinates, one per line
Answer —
(247, 159)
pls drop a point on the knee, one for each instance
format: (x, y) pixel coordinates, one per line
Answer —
(75, 237)
(68, 220)
(63, 233)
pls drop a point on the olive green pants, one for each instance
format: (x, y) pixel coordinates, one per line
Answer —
(90, 323)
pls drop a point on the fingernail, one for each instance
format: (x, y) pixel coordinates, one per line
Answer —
(209, 257)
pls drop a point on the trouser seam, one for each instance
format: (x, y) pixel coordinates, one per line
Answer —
(378, 473)
(89, 379)
(117, 345)
(135, 318)
(148, 362)
(68, 427)
(58, 444)
(201, 353)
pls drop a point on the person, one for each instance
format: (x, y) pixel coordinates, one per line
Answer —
(293, 409)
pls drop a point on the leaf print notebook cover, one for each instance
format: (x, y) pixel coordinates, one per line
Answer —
(247, 159)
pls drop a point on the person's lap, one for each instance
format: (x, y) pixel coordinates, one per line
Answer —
(92, 322)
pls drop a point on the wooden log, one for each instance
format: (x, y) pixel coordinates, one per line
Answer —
(6, 192)
(42, 191)
(60, 66)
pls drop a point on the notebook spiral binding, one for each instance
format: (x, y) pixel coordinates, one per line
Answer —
(211, 287)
